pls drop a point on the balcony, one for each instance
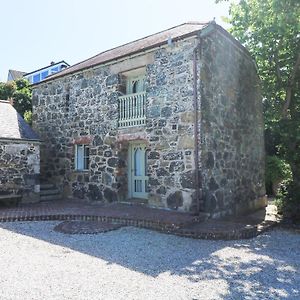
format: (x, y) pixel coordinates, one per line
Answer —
(132, 110)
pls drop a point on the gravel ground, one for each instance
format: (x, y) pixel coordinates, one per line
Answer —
(39, 263)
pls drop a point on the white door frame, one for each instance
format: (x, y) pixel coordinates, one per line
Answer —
(137, 183)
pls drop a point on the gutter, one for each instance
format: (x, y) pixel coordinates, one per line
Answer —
(202, 34)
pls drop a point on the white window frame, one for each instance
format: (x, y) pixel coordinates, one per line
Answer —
(84, 158)
(29, 78)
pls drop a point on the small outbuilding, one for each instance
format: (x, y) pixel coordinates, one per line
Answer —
(19, 156)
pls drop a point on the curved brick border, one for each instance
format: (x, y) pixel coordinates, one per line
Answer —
(243, 233)
(85, 227)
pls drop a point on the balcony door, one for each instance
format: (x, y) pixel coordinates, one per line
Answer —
(135, 85)
(137, 171)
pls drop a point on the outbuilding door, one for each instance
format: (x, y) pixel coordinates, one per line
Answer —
(137, 169)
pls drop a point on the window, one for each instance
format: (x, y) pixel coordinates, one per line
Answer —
(82, 157)
(54, 70)
(67, 102)
(44, 75)
(36, 78)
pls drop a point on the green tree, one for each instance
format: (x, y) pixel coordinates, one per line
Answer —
(270, 30)
(7, 90)
(20, 92)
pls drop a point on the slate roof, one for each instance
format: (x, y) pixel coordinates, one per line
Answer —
(12, 125)
(16, 74)
(151, 41)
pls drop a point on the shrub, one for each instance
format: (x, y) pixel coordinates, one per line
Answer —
(28, 116)
(278, 175)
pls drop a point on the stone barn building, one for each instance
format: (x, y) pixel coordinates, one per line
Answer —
(173, 120)
(19, 157)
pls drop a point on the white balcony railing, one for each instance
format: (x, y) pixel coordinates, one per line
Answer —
(132, 110)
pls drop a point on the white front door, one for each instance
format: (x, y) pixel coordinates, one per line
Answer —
(138, 179)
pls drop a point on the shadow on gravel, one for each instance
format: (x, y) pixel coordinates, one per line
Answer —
(266, 267)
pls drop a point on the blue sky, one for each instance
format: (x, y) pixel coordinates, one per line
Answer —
(36, 32)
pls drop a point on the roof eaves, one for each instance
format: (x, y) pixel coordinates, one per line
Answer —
(57, 75)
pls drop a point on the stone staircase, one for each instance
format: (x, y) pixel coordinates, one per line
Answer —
(49, 192)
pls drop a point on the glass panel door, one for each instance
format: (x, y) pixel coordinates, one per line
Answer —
(137, 177)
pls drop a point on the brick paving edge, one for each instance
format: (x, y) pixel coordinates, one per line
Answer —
(168, 228)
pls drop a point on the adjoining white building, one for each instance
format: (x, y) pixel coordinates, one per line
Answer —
(38, 75)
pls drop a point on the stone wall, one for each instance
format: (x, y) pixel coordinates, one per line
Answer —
(232, 144)
(83, 108)
(20, 169)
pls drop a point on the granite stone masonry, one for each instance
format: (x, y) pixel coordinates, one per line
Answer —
(232, 142)
(20, 169)
(81, 107)
(19, 156)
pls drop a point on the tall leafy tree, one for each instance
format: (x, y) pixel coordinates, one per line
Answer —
(20, 92)
(7, 90)
(270, 30)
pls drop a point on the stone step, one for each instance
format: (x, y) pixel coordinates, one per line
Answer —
(47, 186)
(49, 192)
(50, 197)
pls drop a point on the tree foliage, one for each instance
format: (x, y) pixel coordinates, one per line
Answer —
(20, 92)
(270, 30)
(278, 174)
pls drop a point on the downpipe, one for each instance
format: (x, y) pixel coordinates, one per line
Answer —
(196, 124)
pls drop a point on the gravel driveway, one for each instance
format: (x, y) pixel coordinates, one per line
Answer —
(131, 263)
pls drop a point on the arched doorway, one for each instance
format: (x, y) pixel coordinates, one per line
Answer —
(137, 171)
